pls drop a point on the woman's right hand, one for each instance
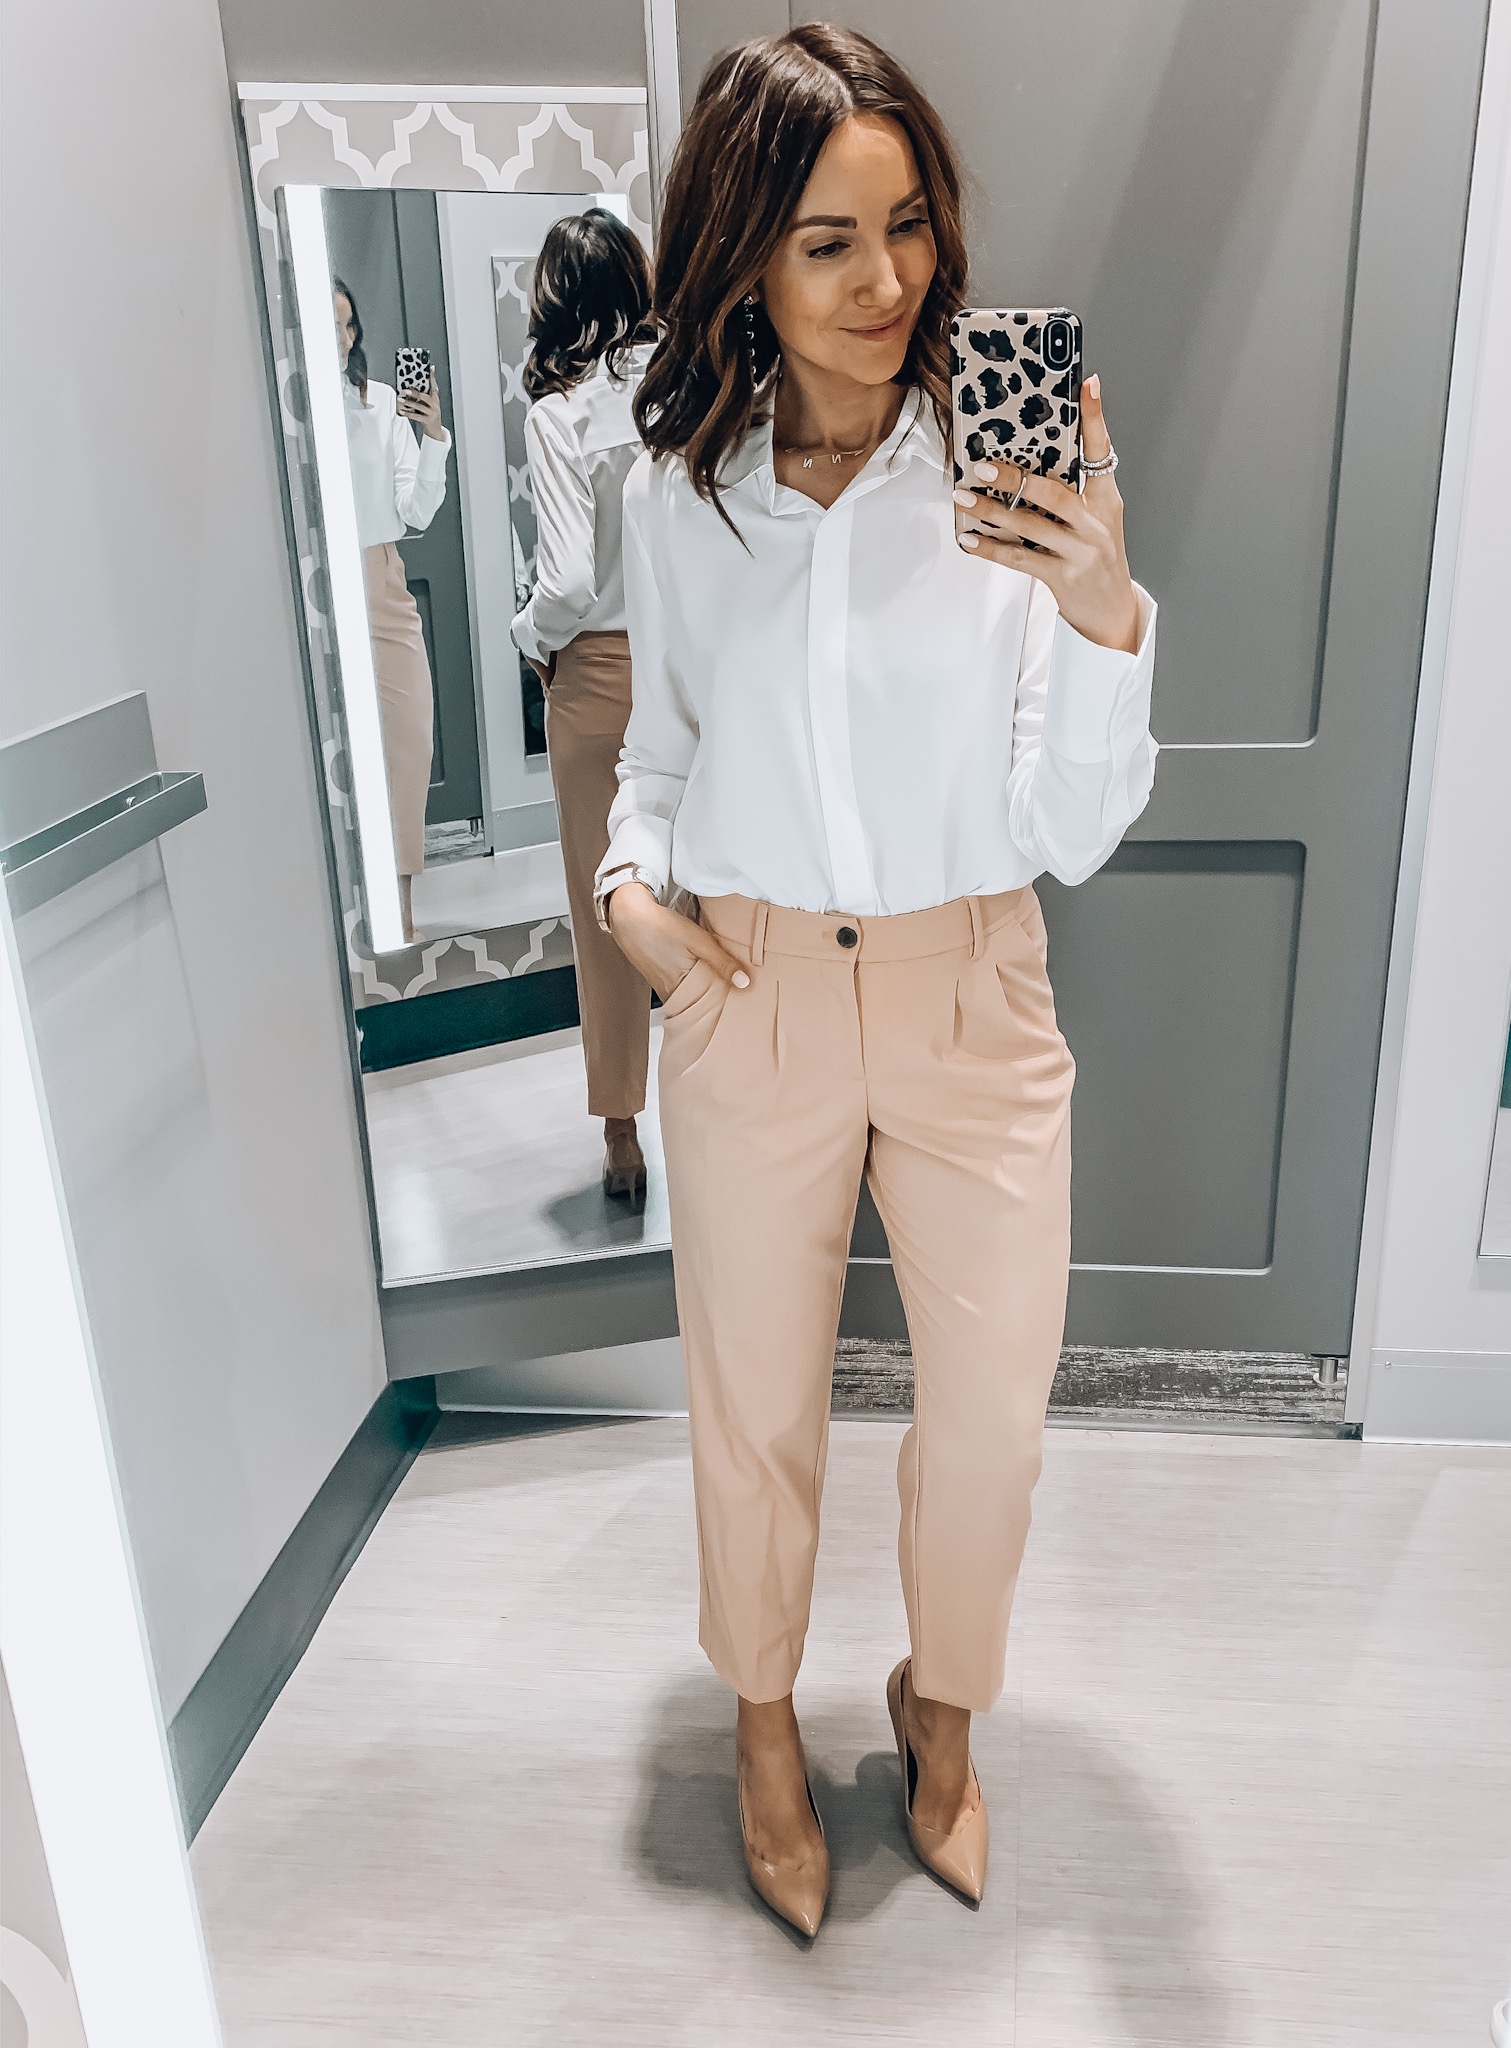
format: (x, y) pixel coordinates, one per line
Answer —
(662, 945)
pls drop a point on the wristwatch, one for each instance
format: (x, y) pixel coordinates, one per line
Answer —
(606, 884)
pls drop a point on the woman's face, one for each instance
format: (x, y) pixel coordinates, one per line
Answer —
(848, 282)
(346, 326)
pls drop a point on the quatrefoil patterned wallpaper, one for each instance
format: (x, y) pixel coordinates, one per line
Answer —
(479, 140)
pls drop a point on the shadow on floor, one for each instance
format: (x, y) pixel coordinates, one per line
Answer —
(588, 1217)
(1105, 1887)
(1103, 1884)
(687, 1835)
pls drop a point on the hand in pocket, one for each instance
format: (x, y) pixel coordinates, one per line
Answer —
(663, 945)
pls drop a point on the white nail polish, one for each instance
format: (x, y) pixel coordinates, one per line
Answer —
(965, 497)
(969, 540)
(742, 981)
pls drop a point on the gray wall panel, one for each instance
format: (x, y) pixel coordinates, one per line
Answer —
(444, 42)
(1183, 174)
(709, 26)
(1177, 952)
(188, 1005)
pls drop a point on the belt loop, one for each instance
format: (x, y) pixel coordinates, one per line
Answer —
(978, 927)
(758, 935)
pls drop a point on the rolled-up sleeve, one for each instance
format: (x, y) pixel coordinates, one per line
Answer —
(1083, 755)
(661, 738)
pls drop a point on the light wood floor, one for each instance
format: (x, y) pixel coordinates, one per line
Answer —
(488, 1160)
(1250, 1781)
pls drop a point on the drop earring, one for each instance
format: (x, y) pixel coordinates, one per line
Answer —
(750, 347)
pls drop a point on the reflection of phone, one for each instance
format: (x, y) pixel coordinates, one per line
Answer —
(411, 372)
(1015, 390)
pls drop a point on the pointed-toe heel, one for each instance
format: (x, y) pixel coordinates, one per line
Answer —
(627, 1182)
(958, 1859)
(798, 1892)
(624, 1168)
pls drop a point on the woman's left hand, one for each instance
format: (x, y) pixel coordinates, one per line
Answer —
(424, 406)
(1077, 537)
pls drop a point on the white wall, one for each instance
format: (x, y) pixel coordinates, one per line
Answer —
(31, 1912)
(187, 1002)
(1432, 1346)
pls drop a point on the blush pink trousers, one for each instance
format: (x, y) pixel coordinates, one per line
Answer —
(923, 1051)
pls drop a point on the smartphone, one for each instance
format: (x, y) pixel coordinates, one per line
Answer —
(411, 372)
(1015, 390)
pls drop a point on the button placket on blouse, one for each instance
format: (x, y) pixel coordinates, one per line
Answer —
(829, 706)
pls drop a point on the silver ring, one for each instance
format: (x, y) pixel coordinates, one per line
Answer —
(1104, 466)
(1011, 504)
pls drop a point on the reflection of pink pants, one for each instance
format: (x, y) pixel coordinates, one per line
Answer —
(405, 699)
(587, 708)
(926, 1054)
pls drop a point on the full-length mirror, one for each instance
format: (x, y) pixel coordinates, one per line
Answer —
(505, 1049)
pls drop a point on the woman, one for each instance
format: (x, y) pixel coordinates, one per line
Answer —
(398, 485)
(589, 326)
(865, 719)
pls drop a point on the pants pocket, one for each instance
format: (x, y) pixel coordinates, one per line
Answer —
(690, 1018)
(683, 994)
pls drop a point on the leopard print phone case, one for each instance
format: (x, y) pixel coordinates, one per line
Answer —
(411, 370)
(1015, 389)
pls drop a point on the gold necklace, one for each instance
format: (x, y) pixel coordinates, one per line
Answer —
(835, 455)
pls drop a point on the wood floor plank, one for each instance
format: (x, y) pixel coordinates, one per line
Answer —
(1249, 1782)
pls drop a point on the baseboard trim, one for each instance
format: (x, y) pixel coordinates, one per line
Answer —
(616, 1379)
(210, 1732)
(462, 1019)
(502, 1319)
(1438, 1397)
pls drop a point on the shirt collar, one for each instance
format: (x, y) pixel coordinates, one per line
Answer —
(914, 438)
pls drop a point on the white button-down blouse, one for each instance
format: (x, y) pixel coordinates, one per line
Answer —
(849, 713)
(581, 444)
(398, 482)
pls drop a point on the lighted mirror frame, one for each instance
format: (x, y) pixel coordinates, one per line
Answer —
(302, 223)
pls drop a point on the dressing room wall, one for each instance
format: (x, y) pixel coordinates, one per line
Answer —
(186, 1001)
(452, 42)
(1432, 1341)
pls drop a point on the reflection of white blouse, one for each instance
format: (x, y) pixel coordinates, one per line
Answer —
(856, 715)
(398, 484)
(582, 444)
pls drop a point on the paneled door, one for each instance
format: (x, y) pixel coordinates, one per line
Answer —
(1259, 213)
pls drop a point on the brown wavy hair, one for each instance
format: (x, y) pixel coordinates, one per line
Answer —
(763, 113)
(590, 297)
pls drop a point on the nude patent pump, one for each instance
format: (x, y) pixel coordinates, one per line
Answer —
(958, 1858)
(623, 1164)
(798, 1892)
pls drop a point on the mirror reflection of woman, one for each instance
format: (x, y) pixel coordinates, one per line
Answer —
(400, 485)
(589, 329)
(869, 710)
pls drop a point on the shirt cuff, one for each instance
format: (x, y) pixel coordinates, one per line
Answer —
(522, 632)
(640, 841)
(433, 455)
(1086, 683)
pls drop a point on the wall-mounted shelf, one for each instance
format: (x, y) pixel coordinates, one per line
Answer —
(80, 794)
(45, 863)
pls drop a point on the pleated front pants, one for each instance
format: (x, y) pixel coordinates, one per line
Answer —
(923, 1051)
(587, 709)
